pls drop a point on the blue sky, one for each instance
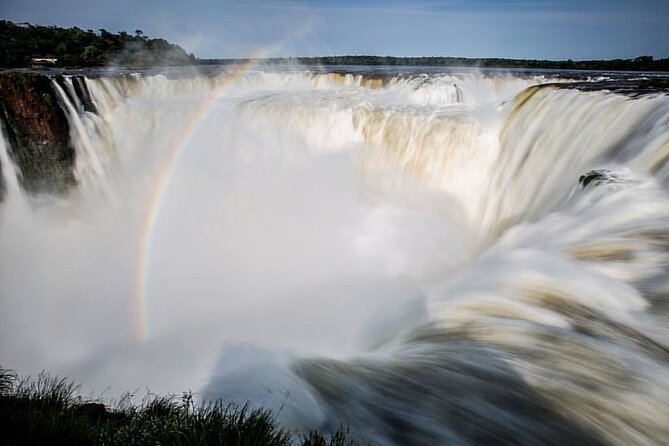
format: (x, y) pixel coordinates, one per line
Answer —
(594, 29)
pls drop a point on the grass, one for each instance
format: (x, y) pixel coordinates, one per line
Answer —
(48, 410)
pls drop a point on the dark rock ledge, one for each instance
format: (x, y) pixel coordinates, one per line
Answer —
(38, 132)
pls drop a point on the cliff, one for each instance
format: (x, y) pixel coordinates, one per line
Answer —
(37, 130)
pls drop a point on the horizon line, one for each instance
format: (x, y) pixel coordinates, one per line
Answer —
(472, 58)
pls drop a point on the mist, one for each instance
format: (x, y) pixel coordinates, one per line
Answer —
(263, 237)
(425, 257)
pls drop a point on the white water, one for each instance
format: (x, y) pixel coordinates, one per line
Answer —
(10, 173)
(427, 235)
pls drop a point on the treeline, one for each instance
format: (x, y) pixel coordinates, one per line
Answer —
(23, 43)
(643, 63)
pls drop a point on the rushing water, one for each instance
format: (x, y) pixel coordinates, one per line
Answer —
(411, 255)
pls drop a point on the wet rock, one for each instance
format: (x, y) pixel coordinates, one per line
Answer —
(599, 176)
(632, 87)
(38, 132)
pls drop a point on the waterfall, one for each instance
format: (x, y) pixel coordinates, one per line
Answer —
(10, 172)
(551, 136)
(94, 147)
(430, 258)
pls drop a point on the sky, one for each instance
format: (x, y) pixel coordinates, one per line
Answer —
(532, 29)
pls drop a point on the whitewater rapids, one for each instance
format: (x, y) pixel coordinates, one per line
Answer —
(412, 256)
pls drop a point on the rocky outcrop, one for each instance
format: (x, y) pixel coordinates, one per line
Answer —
(37, 130)
(623, 84)
(596, 177)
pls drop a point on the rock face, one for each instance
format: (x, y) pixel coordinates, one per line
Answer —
(38, 132)
(595, 177)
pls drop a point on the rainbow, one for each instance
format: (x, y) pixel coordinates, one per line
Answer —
(162, 181)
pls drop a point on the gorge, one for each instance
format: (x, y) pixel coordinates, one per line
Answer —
(430, 256)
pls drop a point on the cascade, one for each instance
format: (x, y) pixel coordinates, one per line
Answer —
(10, 173)
(436, 258)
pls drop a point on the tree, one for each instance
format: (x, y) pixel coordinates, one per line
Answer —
(91, 53)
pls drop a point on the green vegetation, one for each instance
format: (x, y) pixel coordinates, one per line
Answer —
(48, 411)
(643, 63)
(74, 47)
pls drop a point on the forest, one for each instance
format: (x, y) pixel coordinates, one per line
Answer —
(642, 63)
(26, 45)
